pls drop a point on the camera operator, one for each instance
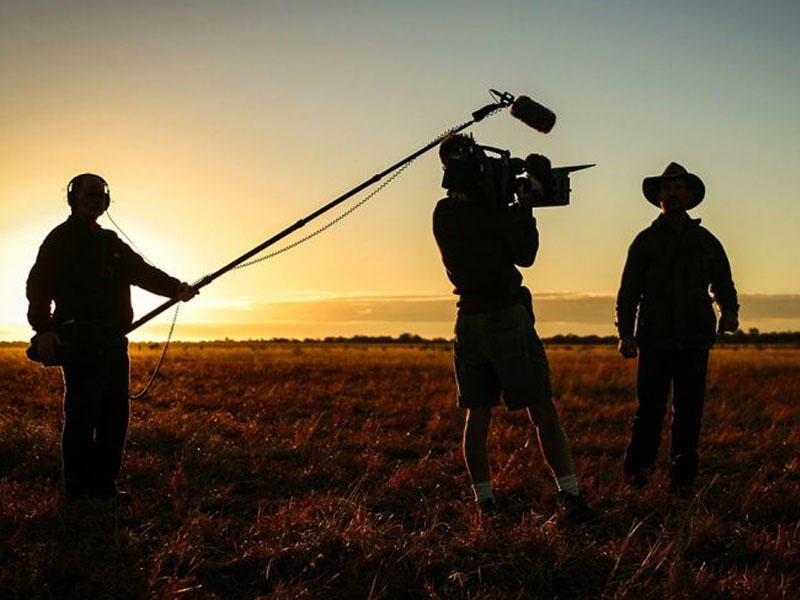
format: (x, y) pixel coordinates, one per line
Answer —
(482, 237)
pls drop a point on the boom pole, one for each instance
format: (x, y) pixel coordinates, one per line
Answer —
(505, 100)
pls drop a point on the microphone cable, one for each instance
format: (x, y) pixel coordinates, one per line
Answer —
(143, 392)
(346, 213)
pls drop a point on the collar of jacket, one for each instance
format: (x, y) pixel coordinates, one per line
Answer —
(75, 221)
(661, 221)
(457, 195)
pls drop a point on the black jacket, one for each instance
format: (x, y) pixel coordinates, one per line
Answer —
(480, 246)
(667, 276)
(87, 272)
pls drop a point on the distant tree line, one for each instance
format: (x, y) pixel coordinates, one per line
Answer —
(751, 336)
(754, 336)
(403, 338)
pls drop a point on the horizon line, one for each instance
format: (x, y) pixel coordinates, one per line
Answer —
(432, 315)
(416, 338)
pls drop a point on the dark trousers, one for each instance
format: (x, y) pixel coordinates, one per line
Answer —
(686, 370)
(95, 423)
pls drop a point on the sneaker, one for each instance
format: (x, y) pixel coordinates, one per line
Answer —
(575, 508)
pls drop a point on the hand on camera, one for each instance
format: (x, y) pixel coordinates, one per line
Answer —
(528, 190)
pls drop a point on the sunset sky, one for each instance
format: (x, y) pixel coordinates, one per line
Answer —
(220, 124)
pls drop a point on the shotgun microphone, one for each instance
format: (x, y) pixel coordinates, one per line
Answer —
(534, 114)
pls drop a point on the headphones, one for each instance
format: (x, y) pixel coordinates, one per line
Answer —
(76, 183)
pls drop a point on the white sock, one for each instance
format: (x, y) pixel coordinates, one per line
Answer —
(482, 491)
(568, 484)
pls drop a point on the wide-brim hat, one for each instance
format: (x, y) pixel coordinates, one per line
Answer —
(651, 185)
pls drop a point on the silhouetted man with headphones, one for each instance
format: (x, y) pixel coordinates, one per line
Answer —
(80, 307)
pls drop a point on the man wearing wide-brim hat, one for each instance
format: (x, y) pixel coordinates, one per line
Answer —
(674, 272)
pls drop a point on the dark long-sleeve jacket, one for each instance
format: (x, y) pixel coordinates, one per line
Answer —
(87, 271)
(480, 246)
(667, 277)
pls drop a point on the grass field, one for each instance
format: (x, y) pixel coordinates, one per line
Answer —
(334, 471)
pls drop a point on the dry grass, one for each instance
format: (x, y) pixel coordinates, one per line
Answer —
(305, 471)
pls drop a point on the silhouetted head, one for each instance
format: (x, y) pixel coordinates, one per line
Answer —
(88, 195)
(675, 190)
(456, 146)
(462, 160)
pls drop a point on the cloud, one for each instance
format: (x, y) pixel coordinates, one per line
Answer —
(343, 308)
(582, 310)
(427, 315)
(770, 306)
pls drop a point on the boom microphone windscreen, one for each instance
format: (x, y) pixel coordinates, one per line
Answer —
(534, 114)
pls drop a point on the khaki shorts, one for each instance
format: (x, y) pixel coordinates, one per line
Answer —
(499, 352)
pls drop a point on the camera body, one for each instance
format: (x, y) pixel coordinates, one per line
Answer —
(509, 175)
(498, 179)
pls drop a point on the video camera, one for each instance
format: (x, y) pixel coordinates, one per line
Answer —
(468, 169)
